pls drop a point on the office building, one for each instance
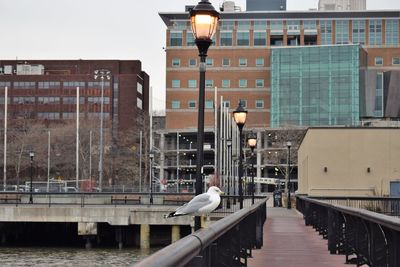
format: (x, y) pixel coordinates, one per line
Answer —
(265, 5)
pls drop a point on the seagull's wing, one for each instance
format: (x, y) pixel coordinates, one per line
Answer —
(195, 204)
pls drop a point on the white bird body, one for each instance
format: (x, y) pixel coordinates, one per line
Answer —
(201, 204)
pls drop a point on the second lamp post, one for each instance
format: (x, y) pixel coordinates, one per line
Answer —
(240, 115)
(204, 20)
(252, 142)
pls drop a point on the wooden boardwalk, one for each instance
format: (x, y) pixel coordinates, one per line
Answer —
(288, 242)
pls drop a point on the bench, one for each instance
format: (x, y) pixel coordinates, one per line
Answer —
(13, 198)
(174, 199)
(125, 199)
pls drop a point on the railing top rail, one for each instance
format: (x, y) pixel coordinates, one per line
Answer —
(353, 198)
(385, 220)
(185, 249)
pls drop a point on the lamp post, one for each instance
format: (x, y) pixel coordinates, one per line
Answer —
(289, 203)
(151, 155)
(240, 115)
(204, 19)
(101, 74)
(252, 142)
(31, 155)
(229, 145)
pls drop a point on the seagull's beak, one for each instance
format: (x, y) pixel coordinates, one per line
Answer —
(221, 193)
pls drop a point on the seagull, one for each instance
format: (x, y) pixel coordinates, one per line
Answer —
(200, 205)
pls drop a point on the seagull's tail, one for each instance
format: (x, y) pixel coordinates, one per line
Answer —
(172, 214)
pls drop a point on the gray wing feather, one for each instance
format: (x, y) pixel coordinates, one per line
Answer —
(195, 204)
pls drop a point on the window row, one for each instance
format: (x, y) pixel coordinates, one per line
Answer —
(225, 83)
(376, 34)
(54, 100)
(69, 115)
(52, 84)
(225, 62)
(209, 104)
(395, 61)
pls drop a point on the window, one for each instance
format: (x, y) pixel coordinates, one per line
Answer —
(375, 32)
(225, 38)
(176, 39)
(23, 100)
(396, 61)
(276, 26)
(242, 62)
(176, 83)
(95, 85)
(97, 100)
(226, 83)
(259, 103)
(243, 38)
(293, 26)
(227, 25)
(192, 83)
(48, 115)
(209, 83)
(379, 61)
(243, 25)
(24, 85)
(259, 83)
(48, 100)
(192, 62)
(209, 104)
(190, 39)
(209, 62)
(139, 88)
(226, 104)
(243, 102)
(310, 25)
(392, 32)
(74, 84)
(242, 83)
(179, 25)
(176, 62)
(342, 31)
(72, 100)
(260, 25)
(176, 104)
(139, 103)
(4, 84)
(260, 62)
(378, 109)
(358, 31)
(326, 31)
(260, 38)
(47, 85)
(226, 62)
(192, 104)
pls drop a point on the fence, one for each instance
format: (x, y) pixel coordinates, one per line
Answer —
(227, 242)
(365, 237)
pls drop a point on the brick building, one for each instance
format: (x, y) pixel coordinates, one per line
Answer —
(47, 89)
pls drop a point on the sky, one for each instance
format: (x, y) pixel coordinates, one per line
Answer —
(104, 29)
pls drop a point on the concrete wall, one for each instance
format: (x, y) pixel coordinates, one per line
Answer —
(335, 161)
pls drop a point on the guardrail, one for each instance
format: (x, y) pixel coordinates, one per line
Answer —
(384, 205)
(363, 236)
(227, 242)
(229, 204)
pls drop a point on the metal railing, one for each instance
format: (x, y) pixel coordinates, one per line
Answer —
(384, 205)
(227, 242)
(363, 236)
(229, 204)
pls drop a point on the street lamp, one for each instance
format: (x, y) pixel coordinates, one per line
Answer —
(252, 142)
(289, 203)
(151, 155)
(31, 155)
(204, 20)
(101, 74)
(229, 145)
(240, 115)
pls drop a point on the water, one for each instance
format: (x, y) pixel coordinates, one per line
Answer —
(71, 256)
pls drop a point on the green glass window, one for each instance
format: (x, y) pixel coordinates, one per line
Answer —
(176, 83)
(378, 110)
(210, 62)
(326, 31)
(342, 31)
(260, 38)
(226, 62)
(192, 62)
(226, 104)
(190, 39)
(243, 38)
(192, 83)
(243, 102)
(259, 83)
(243, 25)
(242, 62)
(396, 61)
(191, 104)
(358, 31)
(176, 62)
(209, 83)
(226, 25)
(225, 38)
(176, 39)
(392, 32)
(259, 103)
(243, 83)
(260, 62)
(260, 25)
(209, 104)
(379, 61)
(176, 104)
(375, 32)
(226, 83)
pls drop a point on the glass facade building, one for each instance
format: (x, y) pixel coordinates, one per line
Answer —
(316, 85)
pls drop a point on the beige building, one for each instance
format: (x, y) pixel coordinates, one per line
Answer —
(349, 162)
(324, 5)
